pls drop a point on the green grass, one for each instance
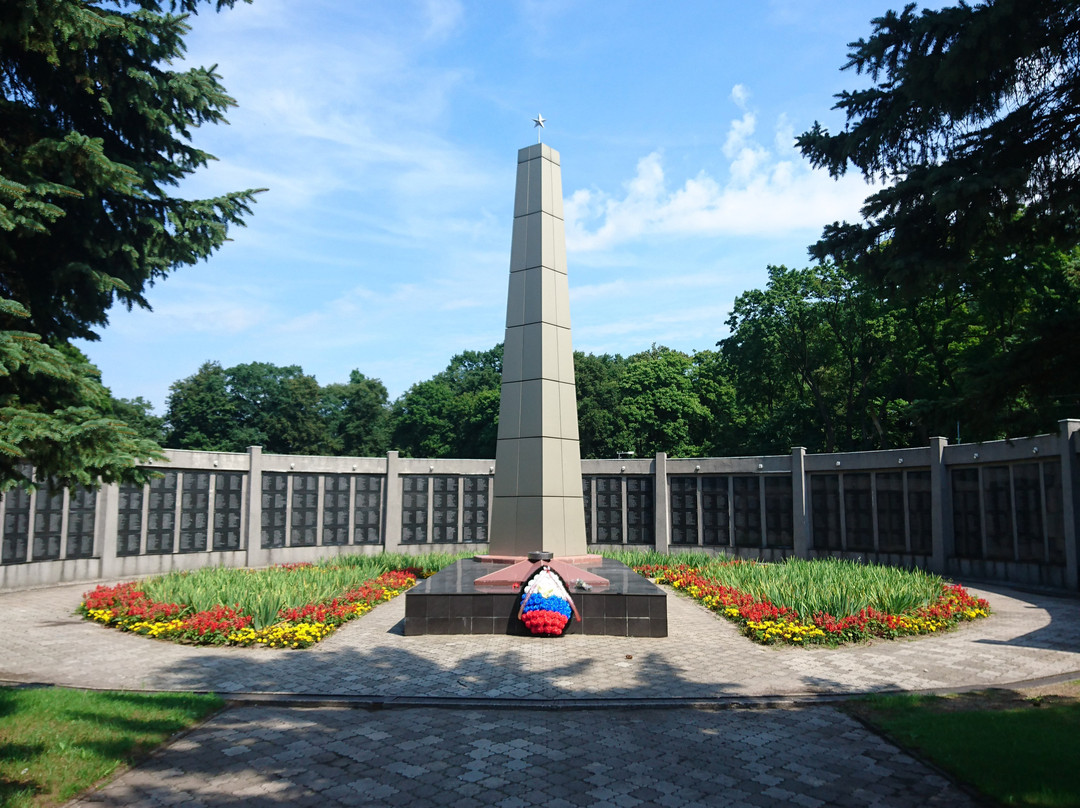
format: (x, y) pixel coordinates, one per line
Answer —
(262, 593)
(56, 743)
(1019, 756)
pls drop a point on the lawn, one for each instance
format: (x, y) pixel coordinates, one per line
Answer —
(56, 743)
(1014, 747)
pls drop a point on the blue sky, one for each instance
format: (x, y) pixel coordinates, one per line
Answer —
(387, 132)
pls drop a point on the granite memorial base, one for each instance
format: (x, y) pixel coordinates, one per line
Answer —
(449, 602)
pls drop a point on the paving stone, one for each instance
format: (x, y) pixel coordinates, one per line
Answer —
(272, 755)
(207, 775)
(1029, 636)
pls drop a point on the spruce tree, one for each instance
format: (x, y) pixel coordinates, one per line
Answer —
(972, 125)
(96, 119)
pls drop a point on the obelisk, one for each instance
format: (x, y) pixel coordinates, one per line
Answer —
(537, 503)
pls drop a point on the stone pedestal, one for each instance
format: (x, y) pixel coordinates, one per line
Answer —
(450, 602)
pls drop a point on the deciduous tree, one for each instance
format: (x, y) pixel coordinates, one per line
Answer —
(254, 404)
(456, 412)
(598, 380)
(357, 416)
(807, 356)
(200, 412)
(659, 407)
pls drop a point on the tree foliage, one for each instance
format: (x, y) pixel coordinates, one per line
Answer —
(279, 408)
(95, 136)
(659, 407)
(820, 359)
(138, 413)
(599, 390)
(200, 413)
(357, 416)
(55, 416)
(455, 413)
(806, 356)
(972, 124)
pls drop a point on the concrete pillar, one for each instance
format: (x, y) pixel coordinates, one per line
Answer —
(106, 526)
(256, 556)
(661, 508)
(392, 506)
(941, 522)
(1070, 499)
(537, 502)
(800, 510)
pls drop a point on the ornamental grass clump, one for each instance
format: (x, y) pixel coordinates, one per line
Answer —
(830, 585)
(829, 601)
(290, 605)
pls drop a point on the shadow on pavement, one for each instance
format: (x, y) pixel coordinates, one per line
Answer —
(396, 673)
(1060, 633)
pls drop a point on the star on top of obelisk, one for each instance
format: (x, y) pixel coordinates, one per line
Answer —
(538, 124)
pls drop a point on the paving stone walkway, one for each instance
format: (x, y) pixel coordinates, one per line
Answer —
(503, 720)
(418, 757)
(1028, 637)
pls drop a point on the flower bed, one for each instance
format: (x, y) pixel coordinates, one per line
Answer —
(767, 623)
(128, 607)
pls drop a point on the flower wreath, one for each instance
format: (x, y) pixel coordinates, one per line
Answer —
(545, 604)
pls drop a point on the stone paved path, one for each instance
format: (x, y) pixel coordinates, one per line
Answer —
(258, 756)
(1028, 637)
(503, 743)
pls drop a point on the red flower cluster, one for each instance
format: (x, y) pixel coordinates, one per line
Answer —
(343, 607)
(399, 579)
(867, 622)
(330, 612)
(131, 606)
(953, 602)
(109, 597)
(127, 600)
(544, 623)
(220, 620)
(149, 610)
(656, 570)
(758, 610)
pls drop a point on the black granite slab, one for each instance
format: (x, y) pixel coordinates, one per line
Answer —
(449, 602)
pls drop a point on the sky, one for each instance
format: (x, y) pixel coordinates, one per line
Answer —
(386, 133)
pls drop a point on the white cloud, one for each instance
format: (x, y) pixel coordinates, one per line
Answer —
(784, 139)
(582, 293)
(355, 107)
(740, 95)
(698, 325)
(768, 191)
(443, 18)
(739, 134)
(198, 308)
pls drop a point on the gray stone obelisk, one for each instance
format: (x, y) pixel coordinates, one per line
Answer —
(537, 499)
